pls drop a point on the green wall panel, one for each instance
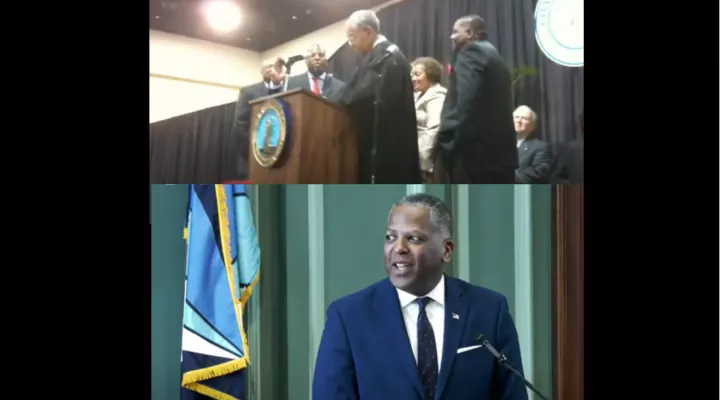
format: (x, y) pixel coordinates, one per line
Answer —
(492, 256)
(167, 219)
(355, 221)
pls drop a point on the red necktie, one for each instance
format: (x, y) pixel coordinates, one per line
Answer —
(315, 87)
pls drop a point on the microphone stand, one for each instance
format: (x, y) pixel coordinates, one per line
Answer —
(505, 363)
(288, 66)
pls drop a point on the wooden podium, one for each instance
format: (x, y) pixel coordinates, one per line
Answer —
(318, 146)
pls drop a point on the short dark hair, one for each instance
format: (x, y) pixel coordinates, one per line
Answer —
(440, 214)
(477, 25)
(433, 68)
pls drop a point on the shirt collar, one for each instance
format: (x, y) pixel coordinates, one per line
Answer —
(321, 77)
(437, 294)
(379, 40)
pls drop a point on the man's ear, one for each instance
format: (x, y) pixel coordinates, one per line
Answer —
(449, 246)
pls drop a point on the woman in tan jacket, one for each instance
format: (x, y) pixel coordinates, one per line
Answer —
(429, 98)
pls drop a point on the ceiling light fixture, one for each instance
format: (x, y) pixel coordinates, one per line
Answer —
(223, 15)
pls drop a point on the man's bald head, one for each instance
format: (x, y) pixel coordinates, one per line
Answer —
(316, 60)
(525, 120)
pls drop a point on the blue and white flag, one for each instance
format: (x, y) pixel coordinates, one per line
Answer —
(223, 262)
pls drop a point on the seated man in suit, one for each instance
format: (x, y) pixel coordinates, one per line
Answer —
(317, 80)
(534, 155)
(272, 80)
(415, 335)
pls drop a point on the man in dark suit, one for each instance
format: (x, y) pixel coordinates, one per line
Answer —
(415, 335)
(317, 79)
(475, 140)
(272, 80)
(534, 155)
(570, 167)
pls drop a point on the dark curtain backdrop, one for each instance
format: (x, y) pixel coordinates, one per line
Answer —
(198, 147)
(422, 28)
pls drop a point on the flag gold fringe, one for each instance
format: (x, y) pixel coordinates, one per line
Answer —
(224, 228)
(185, 234)
(210, 392)
(204, 374)
(248, 290)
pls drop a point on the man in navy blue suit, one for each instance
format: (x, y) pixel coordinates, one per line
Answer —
(416, 335)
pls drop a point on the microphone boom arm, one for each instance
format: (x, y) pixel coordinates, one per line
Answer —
(502, 358)
(288, 66)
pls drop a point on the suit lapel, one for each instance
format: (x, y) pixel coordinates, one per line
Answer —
(524, 149)
(305, 82)
(387, 307)
(326, 83)
(455, 317)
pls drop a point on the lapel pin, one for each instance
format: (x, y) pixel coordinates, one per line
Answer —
(455, 316)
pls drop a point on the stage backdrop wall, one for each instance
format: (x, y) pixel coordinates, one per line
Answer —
(503, 242)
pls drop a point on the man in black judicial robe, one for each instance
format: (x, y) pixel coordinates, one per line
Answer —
(476, 140)
(382, 67)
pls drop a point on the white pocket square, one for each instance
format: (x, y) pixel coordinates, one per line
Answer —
(464, 349)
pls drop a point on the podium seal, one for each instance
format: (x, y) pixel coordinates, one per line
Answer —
(270, 132)
(559, 31)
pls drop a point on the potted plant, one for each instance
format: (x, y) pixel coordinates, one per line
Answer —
(519, 74)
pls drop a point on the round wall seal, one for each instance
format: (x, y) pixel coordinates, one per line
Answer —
(559, 31)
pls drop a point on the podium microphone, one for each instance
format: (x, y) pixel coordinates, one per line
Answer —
(288, 65)
(505, 363)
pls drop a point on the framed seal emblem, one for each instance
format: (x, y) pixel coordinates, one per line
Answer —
(270, 132)
(559, 31)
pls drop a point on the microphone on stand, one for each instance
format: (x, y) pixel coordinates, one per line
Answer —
(288, 65)
(502, 358)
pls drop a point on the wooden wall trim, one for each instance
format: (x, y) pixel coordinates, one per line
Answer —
(568, 292)
(316, 278)
(194, 81)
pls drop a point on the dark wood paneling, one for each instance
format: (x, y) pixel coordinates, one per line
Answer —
(568, 292)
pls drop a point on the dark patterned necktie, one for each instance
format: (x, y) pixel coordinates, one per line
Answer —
(427, 352)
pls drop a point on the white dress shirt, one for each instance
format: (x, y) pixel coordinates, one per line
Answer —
(520, 141)
(321, 81)
(435, 311)
(272, 86)
(379, 40)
